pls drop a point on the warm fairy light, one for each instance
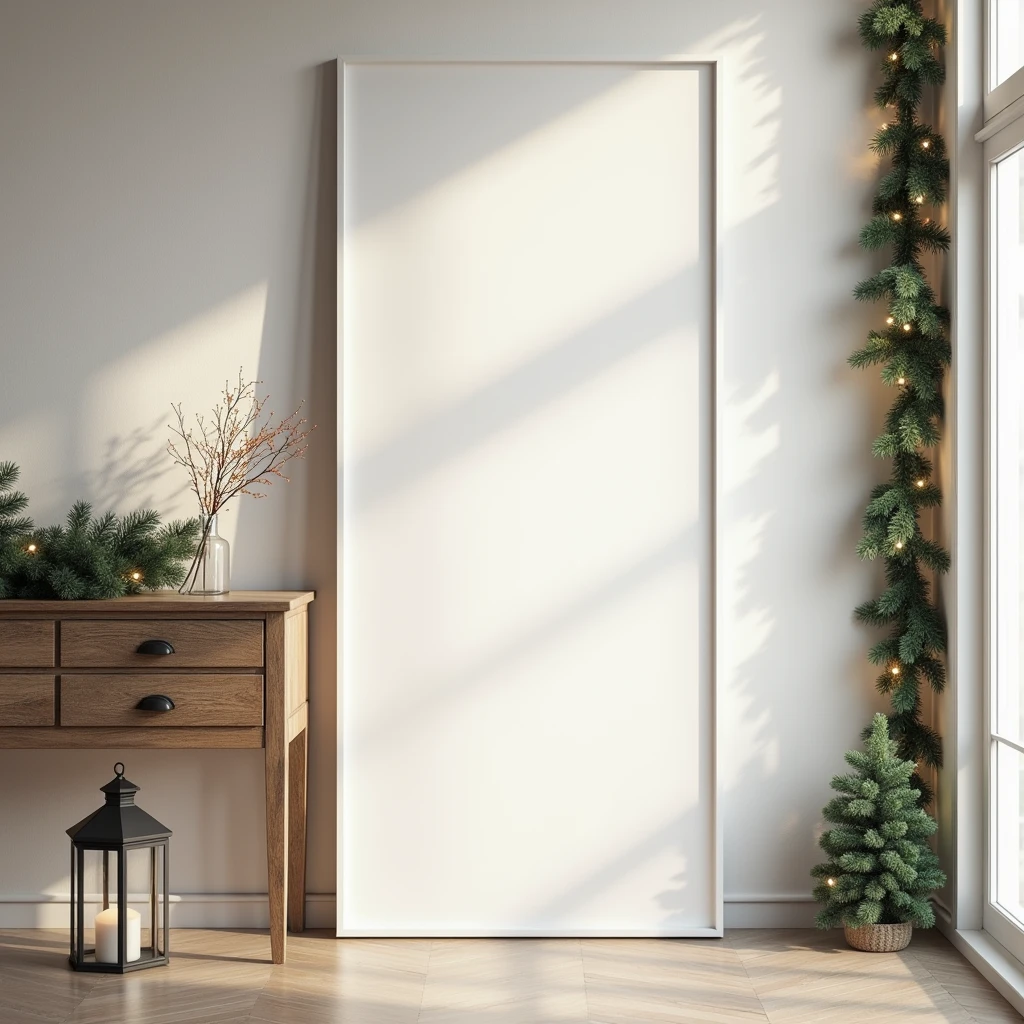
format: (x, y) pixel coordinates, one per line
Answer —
(136, 575)
(897, 216)
(830, 881)
(31, 549)
(920, 483)
(889, 320)
(927, 220)
(899, 545)
(901, 380)
(925, 144)
(895, 670)
(919, 199)
(906, 327)
(894, 56)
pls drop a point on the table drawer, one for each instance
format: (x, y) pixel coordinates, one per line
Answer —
(26, 643)
(26, 700)
(213, 643)
(112, 700)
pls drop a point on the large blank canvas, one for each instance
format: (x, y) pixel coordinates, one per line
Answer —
(527, 344)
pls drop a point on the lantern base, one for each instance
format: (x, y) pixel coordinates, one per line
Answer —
(101, 967)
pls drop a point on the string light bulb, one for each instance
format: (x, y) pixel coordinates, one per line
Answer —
(894, 56)
(889, 320)
(31, 549)
(906, 327)
(927, 220)
(136, 576)
(899, 547)
(919, 199)
(901, 381)
(830, 881)
(895, 670)
(897, 216)
(920, 483)
(925, 144)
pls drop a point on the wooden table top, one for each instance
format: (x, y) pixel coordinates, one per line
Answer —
(170, 600)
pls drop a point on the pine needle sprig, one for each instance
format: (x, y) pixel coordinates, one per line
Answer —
(87, 557)
(913, 353)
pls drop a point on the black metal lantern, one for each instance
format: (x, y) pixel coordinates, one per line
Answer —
(119, 858)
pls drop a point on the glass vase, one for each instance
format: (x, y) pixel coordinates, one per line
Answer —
(211, 573)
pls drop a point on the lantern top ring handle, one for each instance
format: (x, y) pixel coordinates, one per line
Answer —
(119, 769)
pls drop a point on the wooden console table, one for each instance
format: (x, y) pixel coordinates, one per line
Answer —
(162, 670)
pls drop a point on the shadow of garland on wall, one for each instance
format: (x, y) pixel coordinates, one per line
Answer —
(88, 558)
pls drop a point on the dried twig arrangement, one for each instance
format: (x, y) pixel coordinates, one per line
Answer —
(237, 449)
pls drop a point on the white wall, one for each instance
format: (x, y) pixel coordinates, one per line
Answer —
(167, 212)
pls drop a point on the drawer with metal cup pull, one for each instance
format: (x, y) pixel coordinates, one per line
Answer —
(161, 643)
(161, 699)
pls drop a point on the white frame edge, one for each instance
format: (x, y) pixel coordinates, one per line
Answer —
(715, 64)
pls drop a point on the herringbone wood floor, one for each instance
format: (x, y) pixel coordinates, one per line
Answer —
(781, 977)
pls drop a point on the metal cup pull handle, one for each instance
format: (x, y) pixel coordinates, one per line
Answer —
(154, 647)
(155, 702)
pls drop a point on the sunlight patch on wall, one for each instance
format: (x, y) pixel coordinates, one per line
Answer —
(749, 628)
(126, 405)
(751, 113)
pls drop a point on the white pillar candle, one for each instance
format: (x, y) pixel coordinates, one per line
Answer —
(106, 936)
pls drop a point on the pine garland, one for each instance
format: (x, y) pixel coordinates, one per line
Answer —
(89, 557)
(880, 868)
(913, 350)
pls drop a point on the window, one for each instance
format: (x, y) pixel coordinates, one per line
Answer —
(1007, 46)
(1005, 912)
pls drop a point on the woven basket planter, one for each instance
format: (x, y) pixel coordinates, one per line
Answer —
(880, 938)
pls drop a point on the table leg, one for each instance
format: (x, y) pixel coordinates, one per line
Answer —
(297, 756)
(277, 844)
(276, 744)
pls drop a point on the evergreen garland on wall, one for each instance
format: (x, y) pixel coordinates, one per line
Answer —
(913, 350)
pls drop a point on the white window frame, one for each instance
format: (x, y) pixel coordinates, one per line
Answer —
(988, 937)
(1004, 101)
(1003, 611)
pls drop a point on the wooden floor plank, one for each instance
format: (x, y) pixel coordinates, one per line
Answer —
(504, 980)
(750, 977)
(805, 977)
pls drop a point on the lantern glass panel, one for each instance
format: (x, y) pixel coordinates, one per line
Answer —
(162, 900)
(145, 873)
(99, 890)
(75, 886)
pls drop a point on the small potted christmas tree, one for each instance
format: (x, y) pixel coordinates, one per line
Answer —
(880, 868)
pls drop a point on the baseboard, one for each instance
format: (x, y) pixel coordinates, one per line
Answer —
(764, 910)
(249, 910)
(188, 910)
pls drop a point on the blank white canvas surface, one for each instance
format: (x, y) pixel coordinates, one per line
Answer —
(527, 358)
